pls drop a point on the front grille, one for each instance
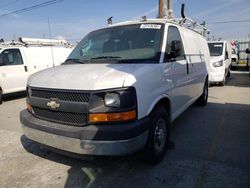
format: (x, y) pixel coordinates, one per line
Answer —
(73, 96)
(61, 117)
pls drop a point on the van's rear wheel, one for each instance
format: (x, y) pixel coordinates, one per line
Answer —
(158, 137)
(202, 100)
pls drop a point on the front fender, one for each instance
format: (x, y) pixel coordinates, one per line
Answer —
(156, 101)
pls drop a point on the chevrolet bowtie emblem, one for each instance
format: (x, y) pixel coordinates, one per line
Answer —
(53, 104)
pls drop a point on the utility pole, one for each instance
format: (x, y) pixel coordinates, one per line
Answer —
(166, 9)
(161, 12)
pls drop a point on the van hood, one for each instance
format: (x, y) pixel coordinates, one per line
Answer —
(84, 76)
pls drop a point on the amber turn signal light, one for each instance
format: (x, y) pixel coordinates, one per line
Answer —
(111, 117)
(29, 107)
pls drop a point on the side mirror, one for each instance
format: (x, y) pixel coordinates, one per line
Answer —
(247, 51)
(174, 51)
(175, 48)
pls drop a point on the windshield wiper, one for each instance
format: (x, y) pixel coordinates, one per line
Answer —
(117, 59)
(106, 57)
(74, 61)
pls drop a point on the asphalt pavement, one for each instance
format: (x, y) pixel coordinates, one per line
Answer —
(212, 149)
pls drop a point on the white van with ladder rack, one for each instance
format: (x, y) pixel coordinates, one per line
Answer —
(119, 89)
(18, 60)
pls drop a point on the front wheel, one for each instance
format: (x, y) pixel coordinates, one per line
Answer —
(158, 137)
(223, 82)
(202, 100)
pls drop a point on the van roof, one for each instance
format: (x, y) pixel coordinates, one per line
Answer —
(176, 22)
(156, 20)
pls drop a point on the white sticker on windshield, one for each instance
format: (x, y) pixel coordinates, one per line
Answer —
(150, 26)
(218, 45)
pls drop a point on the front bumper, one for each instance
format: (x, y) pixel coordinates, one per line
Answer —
(116, 139)
(216, 77)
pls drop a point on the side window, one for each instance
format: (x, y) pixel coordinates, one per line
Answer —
(174, 46)
(12, 57)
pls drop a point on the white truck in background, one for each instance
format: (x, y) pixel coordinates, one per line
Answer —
(18, 60)
(220, 64)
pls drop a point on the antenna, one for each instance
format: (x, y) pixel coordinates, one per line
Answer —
(51, 43)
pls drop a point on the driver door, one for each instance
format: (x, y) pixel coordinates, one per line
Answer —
(13, 72)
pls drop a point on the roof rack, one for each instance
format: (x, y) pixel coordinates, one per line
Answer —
(166, 12)
(191, 24)
(36, 42)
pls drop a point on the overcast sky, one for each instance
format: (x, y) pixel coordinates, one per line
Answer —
(73, 19)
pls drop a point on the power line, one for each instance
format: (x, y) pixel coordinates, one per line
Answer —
(47, 3)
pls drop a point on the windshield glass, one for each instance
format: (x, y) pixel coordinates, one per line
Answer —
(138, 43)
(216, 49)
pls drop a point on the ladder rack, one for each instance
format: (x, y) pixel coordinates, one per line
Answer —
(36, 42)
(193, 25)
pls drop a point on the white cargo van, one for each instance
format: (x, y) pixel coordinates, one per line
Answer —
(20, 59)
(119, 90)
(219, 67)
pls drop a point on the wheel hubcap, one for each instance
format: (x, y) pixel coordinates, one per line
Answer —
(160, 134)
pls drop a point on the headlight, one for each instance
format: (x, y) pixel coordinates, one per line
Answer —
(218, 63)
(113, 105)
(112, 100)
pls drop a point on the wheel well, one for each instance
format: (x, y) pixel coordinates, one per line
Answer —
(165, 102)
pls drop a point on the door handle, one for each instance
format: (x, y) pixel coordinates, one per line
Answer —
(25, 68)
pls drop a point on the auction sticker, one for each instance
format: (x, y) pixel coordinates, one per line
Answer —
(150, 26)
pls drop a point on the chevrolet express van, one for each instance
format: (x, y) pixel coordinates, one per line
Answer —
(119, 90)
(19, 60)
(219, 67)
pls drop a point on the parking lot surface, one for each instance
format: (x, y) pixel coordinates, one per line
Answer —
(212, 149)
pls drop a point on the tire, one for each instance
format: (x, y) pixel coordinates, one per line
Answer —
(1, 96)
(223, 83)
(158, 137)
(229, 73)
(202, 100)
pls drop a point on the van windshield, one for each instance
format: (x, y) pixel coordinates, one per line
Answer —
(216, 49)
(138, 43)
